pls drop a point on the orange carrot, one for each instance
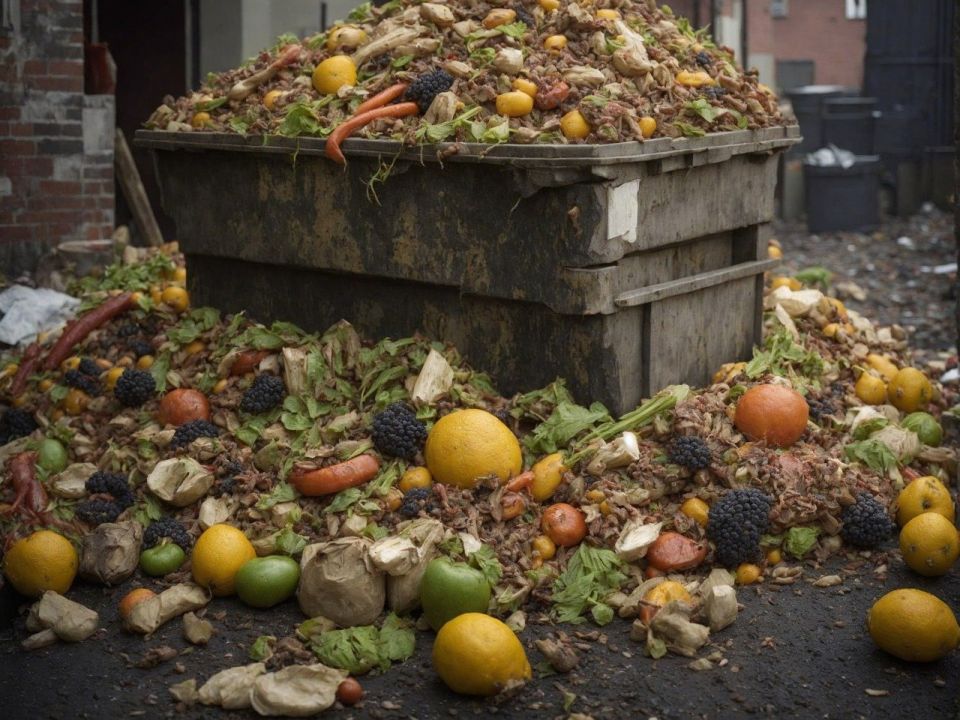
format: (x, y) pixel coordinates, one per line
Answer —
(334, 478)
(520, 482)
(78, 328)
(512, 505)
(348, 126)
(381, 98)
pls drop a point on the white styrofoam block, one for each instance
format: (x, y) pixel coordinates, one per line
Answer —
(623, 211)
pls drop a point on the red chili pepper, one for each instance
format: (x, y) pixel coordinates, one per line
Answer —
(31, 357)
(348, 126)
(30, 497)
(382, 98)
(77, 329)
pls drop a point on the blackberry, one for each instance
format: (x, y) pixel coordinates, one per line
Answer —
(140, 348)
(714, 92)
(190, 431)
(737, 520)
(101, 510)
(866, 523)
(397, 432)
(690, 452)
(16, 423)
(425, 88)
(82, 381)
(97, 512)
(134, 387)
(524, 16)
(414, 501)
(266, 392)
(128, 330)
(703, 59)
(819, 409)
(167, 527)
(89, 367)
(227, 486)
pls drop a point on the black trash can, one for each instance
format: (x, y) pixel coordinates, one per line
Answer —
(807, 102)
(850, 123)
(839, 198)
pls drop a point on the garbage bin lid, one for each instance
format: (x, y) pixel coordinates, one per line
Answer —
(820, 90)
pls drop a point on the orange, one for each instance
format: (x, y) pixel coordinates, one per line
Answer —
(910, 390)
(183, 405)
(132, 599)
(930, 544)
(696, 509)
(544, 547)
(747, 574)
(774, 413)
(334, 73)
(924, 494)
(525, 86)
(514, 103)
(913, 625)
(75, 402)
(667, 592)
(564, 524)
(469, 444)
(40, 562)
(475, 654)
(220, 552)
(574, 125)
(648, 126)
(415, 477)
(176, 297)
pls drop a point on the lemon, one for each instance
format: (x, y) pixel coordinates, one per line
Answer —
(219, 554)
(666, 592)
(871, 389)
(883, 365)
(648, 126)
(469, 444)
(333, 73)
(910, 390)
(413, 478)
(547, 476)
(176, 297)
(929, 544)
(475, 654)
(913, 625)
(574, 125)
(40, 562)
(925, 494)
(696, 509)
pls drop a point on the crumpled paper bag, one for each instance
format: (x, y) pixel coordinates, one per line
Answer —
(110, 553)
(180, 481)
(296, 691)
(230, 688)
(151, 613)
(69, 620)
(338, 580)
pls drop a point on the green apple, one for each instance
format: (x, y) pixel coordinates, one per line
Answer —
(449, 589)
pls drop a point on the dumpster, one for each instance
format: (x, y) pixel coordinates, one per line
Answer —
(807, 102)
(850, 123)
(621, 267)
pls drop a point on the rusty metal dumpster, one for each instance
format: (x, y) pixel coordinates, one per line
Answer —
(620, 267)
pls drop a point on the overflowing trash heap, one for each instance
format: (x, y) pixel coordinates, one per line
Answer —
(521, 72)
(382, 482)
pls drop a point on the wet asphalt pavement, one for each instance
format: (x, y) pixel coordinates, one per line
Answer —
(795, 651)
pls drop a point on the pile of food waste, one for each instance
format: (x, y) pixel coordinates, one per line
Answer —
(553, 71)
(387, 488)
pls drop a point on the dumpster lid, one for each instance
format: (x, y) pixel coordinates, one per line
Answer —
(739, 142)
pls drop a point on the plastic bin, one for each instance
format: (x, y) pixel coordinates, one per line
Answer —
(839, 199)
(850, 123)
(807, 103)
(622, 268)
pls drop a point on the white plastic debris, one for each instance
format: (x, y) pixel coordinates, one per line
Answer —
(635, 539)
(27, 311)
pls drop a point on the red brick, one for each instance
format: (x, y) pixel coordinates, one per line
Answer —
(20, 129)
(15, 232)
(35, 67)
(58, 187)
(10, 113)
(65, 67)
(17, 147)
(57, 84)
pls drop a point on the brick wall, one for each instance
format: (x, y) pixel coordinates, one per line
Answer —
(818, 30)
(56, 144)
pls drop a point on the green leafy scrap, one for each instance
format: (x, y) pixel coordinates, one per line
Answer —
(566, 422)
(486, 561)
(591, 575)
(262, 648)
(282, 492)
(800, 540)
(515, 30)
(360, 649)
(688, 130)
(872, 453)
(781, 356)
(703, 108)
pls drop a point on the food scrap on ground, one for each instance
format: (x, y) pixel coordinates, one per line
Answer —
(367, 479)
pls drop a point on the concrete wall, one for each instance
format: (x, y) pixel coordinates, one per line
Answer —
(56, 144)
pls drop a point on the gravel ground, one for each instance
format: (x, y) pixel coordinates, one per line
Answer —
(889, 275)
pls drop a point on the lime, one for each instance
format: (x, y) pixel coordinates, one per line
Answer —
(925, 426)
(449, 589)
(162, 559)
(52, 456)
(267, 581)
